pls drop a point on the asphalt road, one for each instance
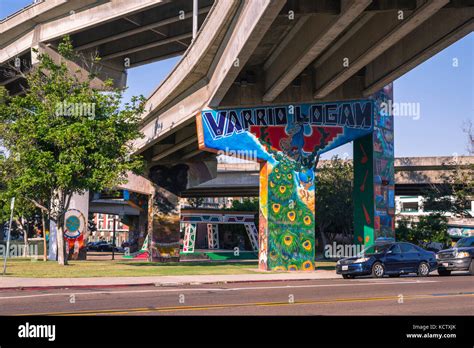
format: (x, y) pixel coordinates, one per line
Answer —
(433, 295)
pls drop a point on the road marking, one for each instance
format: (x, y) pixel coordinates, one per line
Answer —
(214, 289)
(236, 305)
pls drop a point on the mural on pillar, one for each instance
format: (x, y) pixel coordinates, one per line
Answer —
(171, 182)
(384, 176)
(288, 139)
(374, 187)
(74, 228)
(164, 213)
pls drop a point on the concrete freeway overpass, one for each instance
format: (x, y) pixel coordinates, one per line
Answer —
(125, 34)
(251, 53)
(246, 53)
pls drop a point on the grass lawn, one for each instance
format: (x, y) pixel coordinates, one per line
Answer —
(77, 269)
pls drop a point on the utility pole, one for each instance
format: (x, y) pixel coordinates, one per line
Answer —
(45, 257)
(12, 207)
(195, 18)
(113, 238)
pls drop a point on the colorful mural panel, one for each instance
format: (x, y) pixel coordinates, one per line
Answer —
(364, 221)
(74, 228)
(384, 170)
(165, 226)
(287, 140)
(374, 186)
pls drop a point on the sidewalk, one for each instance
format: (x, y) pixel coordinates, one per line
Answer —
(51, 283)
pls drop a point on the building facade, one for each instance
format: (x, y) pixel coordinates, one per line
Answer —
(105, 227)
(412, 207)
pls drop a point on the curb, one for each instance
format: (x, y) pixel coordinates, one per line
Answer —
(51, 287)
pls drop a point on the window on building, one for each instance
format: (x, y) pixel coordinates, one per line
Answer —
(110, 222)
(100, 222)
(410, 207)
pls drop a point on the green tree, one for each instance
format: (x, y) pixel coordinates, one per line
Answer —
(428, 228)
(56, 146)
(334, 203)
(23, 217)
(195, 202)
(452, 196)
(247, 204)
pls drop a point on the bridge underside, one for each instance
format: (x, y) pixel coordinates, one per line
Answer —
(284, 52)
(290, 53)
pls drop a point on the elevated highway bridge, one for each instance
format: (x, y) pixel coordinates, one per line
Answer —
(246, 53)
(413, 175)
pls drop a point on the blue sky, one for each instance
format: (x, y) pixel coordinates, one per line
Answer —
(445, 94)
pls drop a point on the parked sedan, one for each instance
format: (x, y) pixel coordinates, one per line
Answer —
(94, 246)
(101, 246)
(392, 259)
(458, 258)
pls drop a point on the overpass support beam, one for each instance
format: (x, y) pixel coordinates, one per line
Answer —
(374, 178)
(313, 38)
(287, 141)
(164, 225)
(355, 54)
(103, 72)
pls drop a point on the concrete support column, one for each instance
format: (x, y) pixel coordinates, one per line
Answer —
(287, 140)
(165, 232)
(374, 186)
(75, 229)
(286, 217)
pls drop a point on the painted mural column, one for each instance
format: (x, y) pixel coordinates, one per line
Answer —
(163, 221)
(165, 229)
(75, 229)
(374, 179)
(286, 217)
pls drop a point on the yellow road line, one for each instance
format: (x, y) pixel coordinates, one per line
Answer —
(236, 305)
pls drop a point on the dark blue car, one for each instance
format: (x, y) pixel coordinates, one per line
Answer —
(392, 259)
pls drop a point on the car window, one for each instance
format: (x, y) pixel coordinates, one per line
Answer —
(395, 249)
(407, 248)
(375, 249)
(465, 242)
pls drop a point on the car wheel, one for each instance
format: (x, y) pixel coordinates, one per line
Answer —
(394, 275)
(423, 269)
(444, 272)
(471, 268)
(378, 270)
(347, 276)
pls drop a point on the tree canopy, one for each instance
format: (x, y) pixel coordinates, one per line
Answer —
(62, 137)
(334, 202)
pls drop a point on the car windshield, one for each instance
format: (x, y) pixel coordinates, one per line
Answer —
(465, 242)
(375, 249)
